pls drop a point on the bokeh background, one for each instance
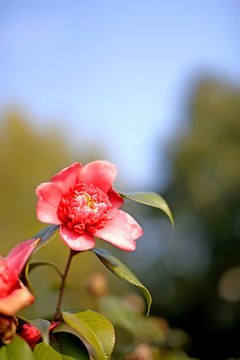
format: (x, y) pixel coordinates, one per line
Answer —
(153, 87)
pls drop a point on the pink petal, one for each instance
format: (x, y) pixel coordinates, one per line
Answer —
(121, 231)
(99, 173)
(15, 301)
(76, 241)
(115, 199)
(67, 177)
(18, 256)
(50, 195)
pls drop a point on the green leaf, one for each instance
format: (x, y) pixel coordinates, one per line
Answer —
(18, 349)
(63, 346)
(43, 327)
(122, 271)
(34, 265)
(150, 199)
(46, 234)
(95, 331)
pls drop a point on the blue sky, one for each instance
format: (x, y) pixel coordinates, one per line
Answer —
(115, 72)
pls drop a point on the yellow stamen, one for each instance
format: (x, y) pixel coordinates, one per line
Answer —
(90, 202)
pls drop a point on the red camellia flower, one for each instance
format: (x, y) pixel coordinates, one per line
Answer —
(14, 296)
(31, 334)
(82, 201)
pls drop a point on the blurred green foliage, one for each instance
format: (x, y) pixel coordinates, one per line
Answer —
(204, 195)
(205, 162)
(27, 158)
(193, 271)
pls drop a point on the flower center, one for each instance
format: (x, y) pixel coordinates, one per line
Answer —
(84, 207)
(7, 280)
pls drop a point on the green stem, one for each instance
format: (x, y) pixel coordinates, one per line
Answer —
(57, 314)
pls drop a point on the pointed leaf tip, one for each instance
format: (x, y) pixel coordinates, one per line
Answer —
(122, 271)
(46, 234)
(151, 199)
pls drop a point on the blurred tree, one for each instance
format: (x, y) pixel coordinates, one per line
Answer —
(28, 158)
(205, 196)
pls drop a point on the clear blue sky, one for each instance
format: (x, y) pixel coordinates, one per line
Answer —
(115, 72)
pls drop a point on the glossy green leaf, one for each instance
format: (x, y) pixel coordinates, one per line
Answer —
(63, 346)
(18, 349)
(95, 331)
(150, 199)
(34, 265)
(122, 271)
(46, 234)
(43, 327)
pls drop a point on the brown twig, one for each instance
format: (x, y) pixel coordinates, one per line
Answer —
(57, 314)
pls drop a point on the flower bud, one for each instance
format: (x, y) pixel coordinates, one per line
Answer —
(141, 352)
(97, 285)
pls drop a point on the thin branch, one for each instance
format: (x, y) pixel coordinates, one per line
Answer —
(57, 314)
